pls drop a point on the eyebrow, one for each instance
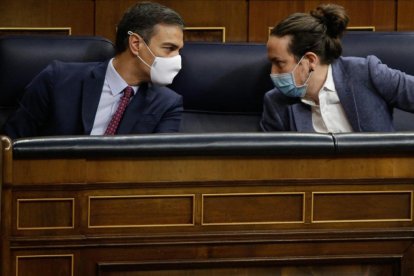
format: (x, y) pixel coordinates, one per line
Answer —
(170, 44)
(277, 59)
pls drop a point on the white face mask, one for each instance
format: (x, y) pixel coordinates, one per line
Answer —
(163, 69)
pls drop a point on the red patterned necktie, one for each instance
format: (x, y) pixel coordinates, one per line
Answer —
(116, 118)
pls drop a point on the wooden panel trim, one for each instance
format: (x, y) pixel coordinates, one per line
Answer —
(203, 210)
(222, 29)
(245, 262)
(410, 219)
(7, 143)
(361, 28)
(7, 155)
(218, 168)
(192, 196)
(71, 256)
(350, 28)
(34, 30)
(20, 200)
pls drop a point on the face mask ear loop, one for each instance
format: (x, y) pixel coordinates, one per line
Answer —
(293, 76)
(131, 33)
(306, 81)
(297, 64)
(148, 48)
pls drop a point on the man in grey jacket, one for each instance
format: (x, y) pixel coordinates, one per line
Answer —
(317, 90)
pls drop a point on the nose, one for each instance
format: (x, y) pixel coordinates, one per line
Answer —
(274, 70)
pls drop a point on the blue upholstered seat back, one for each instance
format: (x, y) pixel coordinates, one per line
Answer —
(222, 84)
(23, 57)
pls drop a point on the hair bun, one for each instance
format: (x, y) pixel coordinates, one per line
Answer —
(334, 18)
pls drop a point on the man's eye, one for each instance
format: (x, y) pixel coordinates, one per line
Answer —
(278, 63)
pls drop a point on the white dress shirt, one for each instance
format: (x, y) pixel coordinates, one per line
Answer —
(329, 115)
(112, 89)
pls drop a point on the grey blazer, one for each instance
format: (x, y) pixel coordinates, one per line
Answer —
(368, 91)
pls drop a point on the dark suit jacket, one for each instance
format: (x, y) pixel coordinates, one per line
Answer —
(63, 100)
(367, 89)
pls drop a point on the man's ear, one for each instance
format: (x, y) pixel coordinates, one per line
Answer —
(313, 60)
(134, 44)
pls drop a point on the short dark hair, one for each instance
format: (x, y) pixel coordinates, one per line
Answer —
(141, 19)
(319, 32)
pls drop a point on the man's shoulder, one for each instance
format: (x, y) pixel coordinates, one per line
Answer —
(356, 61)
(75, 66)
(163, 91)
(358, 67)
(273, 93)
(277, 97)
(73, 71)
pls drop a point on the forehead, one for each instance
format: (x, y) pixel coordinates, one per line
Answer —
(278, 46)
(164, 33)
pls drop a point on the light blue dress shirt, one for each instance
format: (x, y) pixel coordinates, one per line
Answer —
(112, 89)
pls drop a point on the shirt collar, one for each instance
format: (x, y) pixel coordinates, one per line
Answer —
(328, 86)
(116, 83)
(329, 82)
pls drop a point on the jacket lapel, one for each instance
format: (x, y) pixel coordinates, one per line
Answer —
(91, 94)
(346, 90)
(302, 117)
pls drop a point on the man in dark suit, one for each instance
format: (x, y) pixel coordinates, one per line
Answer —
(82, 98)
